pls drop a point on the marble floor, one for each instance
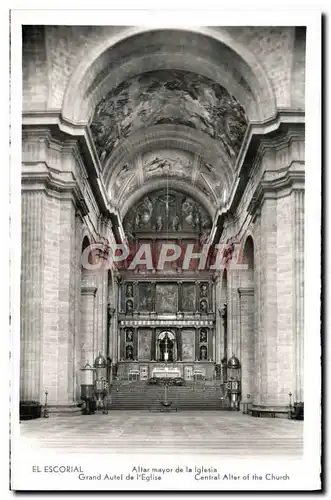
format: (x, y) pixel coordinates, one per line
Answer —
(213, 432)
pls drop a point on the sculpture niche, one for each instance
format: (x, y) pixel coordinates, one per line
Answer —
(166, 349)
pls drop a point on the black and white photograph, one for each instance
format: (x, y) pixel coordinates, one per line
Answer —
(165, 196)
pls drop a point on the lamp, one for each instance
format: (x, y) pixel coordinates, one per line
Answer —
(101, 382)
(87, 388)
(233, 381)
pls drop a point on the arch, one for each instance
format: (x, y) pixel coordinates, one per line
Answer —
(247, 258)
(248, 252)
(176, 184)
(224, 287)
(180, 137)
(85, 243)
(95, 61)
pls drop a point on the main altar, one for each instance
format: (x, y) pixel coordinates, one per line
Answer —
(166, 316)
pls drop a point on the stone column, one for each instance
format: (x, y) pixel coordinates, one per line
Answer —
(101, 306)
(77, 300)
(153, 345)
(233, 313)
(197, 350)
(179, 344)
(218, 322)
(246, 297)
(135, 343)
(210, 344)
(269, 302)
(89, 348)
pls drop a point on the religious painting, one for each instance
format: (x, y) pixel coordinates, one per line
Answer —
(203, 335)
(129, 335)
(166, 298)
(171, 162)
(145, 297)
(203, 353)
(151, 98)
(188, 341)
(144, 343)
(188, 297)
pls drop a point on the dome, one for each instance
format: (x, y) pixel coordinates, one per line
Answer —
(100, 361)
(233, 362)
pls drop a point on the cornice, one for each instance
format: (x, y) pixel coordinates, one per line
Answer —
(52, 127)
(60, 131)
(245, 291)
(274, 133)
(88, 290)
(258, 130)
(269, 188)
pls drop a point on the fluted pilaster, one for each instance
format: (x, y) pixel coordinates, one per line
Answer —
(298, 286)
(32, 281)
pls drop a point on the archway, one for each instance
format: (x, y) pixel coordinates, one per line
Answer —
(92, 75)
(166, 347)
(248, 354)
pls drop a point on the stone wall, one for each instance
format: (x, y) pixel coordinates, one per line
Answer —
(55, 319)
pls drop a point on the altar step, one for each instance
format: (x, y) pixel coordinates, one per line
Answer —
(142, 396)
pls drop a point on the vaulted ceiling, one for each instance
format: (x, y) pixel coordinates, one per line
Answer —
(167, 125)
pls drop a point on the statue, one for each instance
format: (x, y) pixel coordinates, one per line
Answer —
(159, 223)
(128, 232)
(137, 220)
(203, 353)
(203, 306)
(203, 335)
(129, 336)
(129, 352)
(175, 223)
(129, 307)
(203, 290)
(129, 291)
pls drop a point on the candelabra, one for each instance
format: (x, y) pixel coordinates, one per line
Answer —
(290, 406)
(46, 413)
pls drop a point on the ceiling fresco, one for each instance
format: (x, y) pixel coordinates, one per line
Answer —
(168, 97)
(170, 162)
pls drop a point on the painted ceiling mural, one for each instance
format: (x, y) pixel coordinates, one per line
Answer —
(167, 163)
(170, 163)
(169, 97)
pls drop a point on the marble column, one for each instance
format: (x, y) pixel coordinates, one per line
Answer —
(179, 344)
(153, 345)
(135, 343)
(197, 342)
(218, 323)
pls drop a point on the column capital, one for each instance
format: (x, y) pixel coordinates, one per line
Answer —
(245, 291)
(88, 290)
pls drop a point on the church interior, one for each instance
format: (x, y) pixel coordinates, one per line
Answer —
(163, 182)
